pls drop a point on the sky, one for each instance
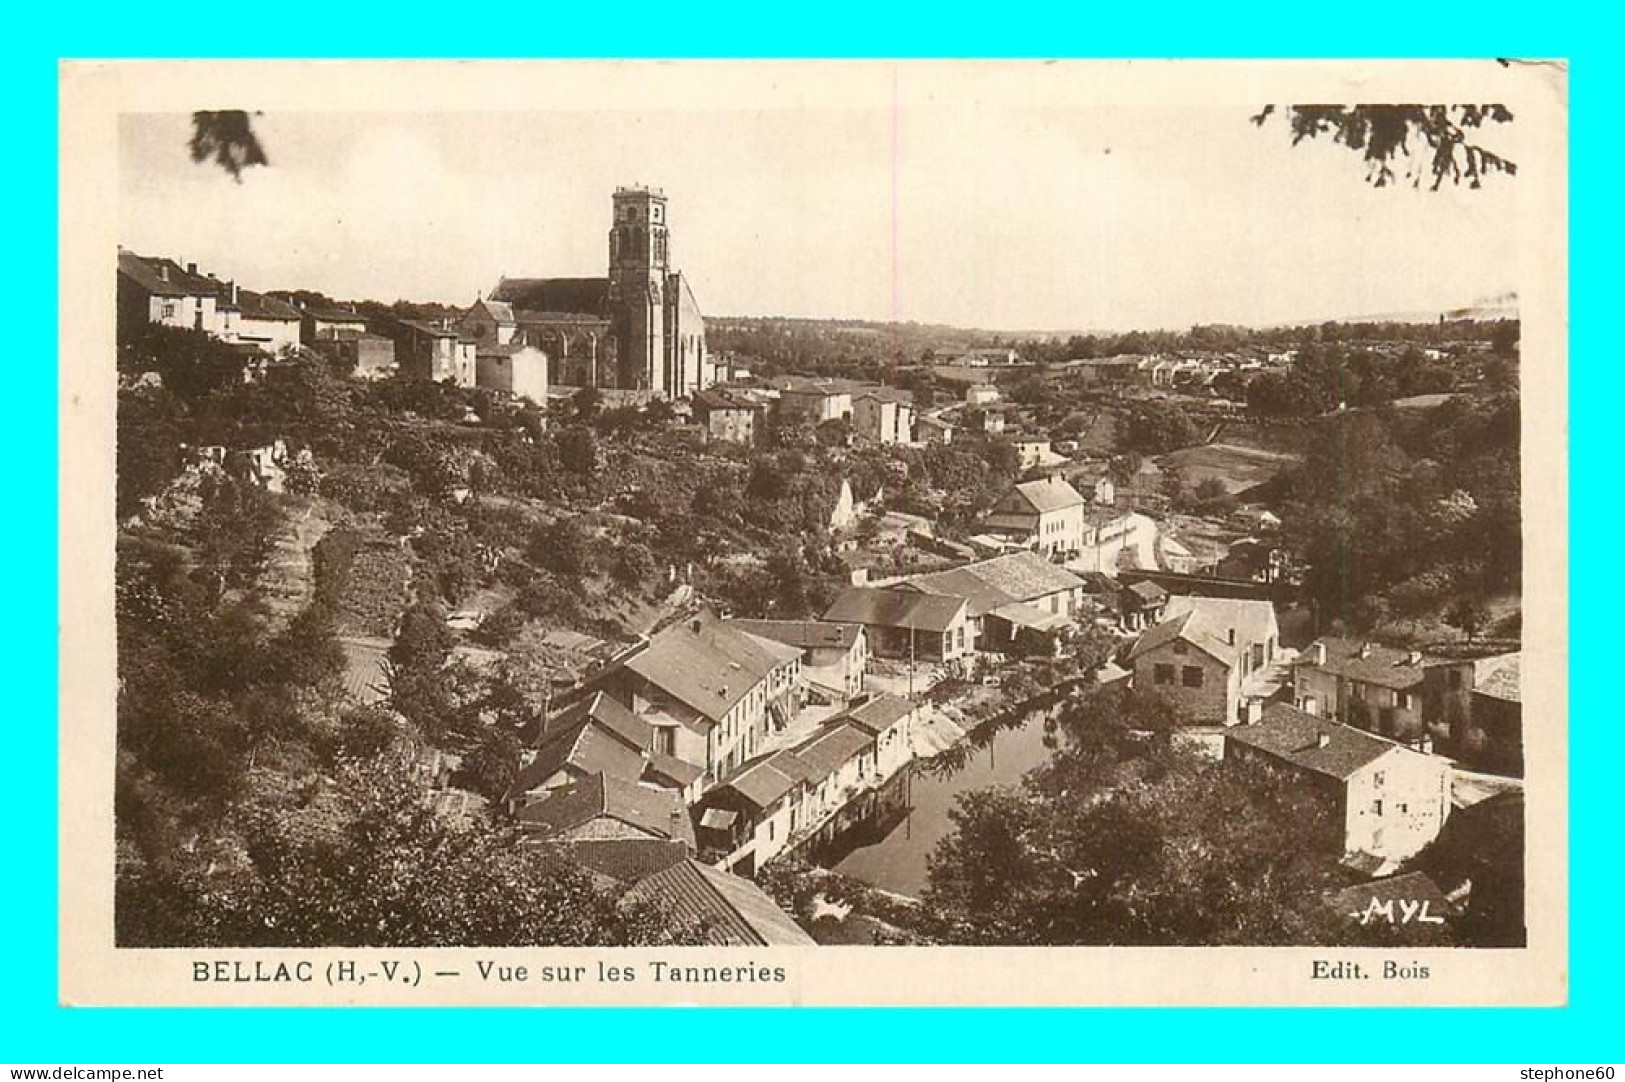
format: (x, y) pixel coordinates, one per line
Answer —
(994, 216)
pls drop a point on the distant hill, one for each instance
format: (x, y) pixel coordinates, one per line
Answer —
(1483, 310)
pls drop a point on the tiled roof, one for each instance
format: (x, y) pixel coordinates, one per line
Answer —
(587, 296)
(659, 765)
(878, 714)
(895, 608)
(807, 634)
(627, 860)
(1206, 622)
(604, 711)
(424, 327)
(713, 399)
(259, 306)
(596, 736)
(731, 911)
(1052, 494)
(656, 811)
(334, 315)
(982, 596)
(1147, 590)
(832, 748)
(1502, 681)
(1312, 743)
(1384, 666)
(164, 277)
(767, 778)
(1024, 576)
(708, 664)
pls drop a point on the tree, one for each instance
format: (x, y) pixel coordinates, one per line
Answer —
(634, 565)
(372, 863)
(1121, 839)
(587, 403)
(492, 765)
(1470, 614)
(578, 450)
(1158, 427)
(1124, 468)
(1383, 135)
(227, 136)
(565, 547)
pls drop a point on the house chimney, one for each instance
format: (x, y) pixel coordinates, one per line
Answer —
(1413, 657)
(1317, 653)
(694, 625)
(163, 271)
(191, 268)
(1322, 740)
(1365, 649)
(1255, 711)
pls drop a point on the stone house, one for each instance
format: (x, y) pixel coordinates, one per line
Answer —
(834, 657)
(907, 625)
(882, 415)
(1401, 693)
(515, 368)
(1391, 801)
(1207, 655)
(725, 416)
(711, 691)
(601, 808)
(1048, 514)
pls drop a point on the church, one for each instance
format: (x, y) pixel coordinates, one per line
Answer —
(638, 329)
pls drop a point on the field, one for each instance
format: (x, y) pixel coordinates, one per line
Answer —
(1237, 468)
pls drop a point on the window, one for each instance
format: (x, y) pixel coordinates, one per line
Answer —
(1163, 674)
(770, 826)
(1191, 677)
(1404, 700)
(960, 637)
(1376, 807)
(1378, 778)
(665, 741)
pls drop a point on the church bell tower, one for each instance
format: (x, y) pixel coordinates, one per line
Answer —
(638, 263)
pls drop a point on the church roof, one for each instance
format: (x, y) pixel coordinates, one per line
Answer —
(588, 296)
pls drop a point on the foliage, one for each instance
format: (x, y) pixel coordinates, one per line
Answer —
(227, 136)
(1123, 840)
(367, 861)
(1409, 509)
(1155, 428)
(1383, 135)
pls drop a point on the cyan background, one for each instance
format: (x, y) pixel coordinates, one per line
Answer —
(34, 1029)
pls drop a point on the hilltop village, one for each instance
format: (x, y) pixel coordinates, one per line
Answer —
(563, 614)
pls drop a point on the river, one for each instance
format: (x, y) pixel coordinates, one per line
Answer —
(896, 861)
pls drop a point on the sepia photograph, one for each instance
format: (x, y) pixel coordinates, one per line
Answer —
(865, 507)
